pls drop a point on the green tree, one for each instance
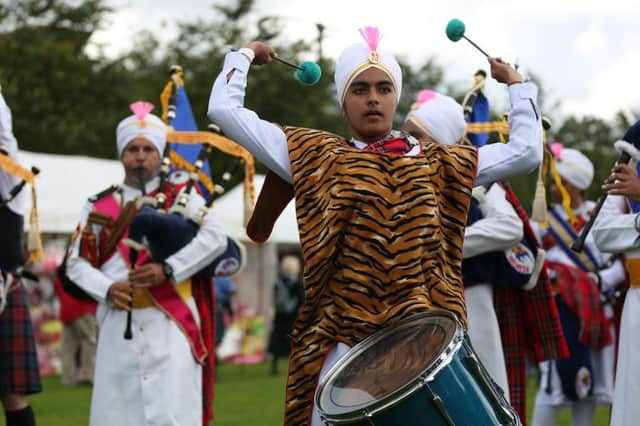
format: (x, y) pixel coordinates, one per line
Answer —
(63, 101)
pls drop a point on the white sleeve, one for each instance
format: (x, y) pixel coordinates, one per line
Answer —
(81, 272)
(9, 143)
(523, 152)
(612, 276)
(209, 243)
(614, 231)
(499, 229)
(266, 141)
(7, 140)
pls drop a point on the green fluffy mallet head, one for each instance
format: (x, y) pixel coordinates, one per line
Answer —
(455, 29)
(308, 73)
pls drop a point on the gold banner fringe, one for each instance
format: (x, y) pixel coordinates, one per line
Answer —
(225, 145)
(10, 166)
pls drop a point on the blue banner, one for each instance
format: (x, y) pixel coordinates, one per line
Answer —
(186, 122)
(479, 114)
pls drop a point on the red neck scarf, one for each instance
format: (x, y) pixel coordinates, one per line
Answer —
(394, 144)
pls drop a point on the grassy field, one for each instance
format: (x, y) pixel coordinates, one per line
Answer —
(245, 396)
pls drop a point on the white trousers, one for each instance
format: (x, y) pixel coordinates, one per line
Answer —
(626, 407)
(484, 333)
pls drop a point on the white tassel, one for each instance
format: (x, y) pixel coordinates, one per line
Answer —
(539, 206)
(34, 240)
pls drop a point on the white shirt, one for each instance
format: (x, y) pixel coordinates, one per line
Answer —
(268, 143)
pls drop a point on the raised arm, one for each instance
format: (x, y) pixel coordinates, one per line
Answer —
(523, 152)
(266, 141)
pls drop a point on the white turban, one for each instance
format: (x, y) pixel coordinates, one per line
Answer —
(357, 58)
(573, 166)
(439, 116)
(141, 124)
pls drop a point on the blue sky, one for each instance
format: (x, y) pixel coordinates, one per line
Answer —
(584, 51)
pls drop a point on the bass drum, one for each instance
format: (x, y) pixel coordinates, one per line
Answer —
(420, 372)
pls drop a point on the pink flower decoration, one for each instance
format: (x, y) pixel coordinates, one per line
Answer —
(141, 109)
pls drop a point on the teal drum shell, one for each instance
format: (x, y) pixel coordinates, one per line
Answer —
(420, 372)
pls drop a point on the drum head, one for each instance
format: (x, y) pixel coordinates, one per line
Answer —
(386, 363)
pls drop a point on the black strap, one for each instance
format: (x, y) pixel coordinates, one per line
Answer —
(103, 193)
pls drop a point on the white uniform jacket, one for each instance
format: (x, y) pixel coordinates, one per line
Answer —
(152, 379)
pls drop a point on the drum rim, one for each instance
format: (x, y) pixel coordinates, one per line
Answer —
(368, 410)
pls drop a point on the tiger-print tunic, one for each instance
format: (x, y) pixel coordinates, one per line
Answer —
(382, 239)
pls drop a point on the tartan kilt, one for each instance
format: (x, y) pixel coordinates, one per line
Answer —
(19, 372)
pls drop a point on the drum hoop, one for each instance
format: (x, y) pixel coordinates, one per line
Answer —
(364, 411)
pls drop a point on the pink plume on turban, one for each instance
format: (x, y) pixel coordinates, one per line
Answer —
(141, 109)
(371, 36)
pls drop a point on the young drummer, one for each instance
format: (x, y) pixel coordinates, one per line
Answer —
(381, 217)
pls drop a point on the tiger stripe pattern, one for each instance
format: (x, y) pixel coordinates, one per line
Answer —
(382, 239)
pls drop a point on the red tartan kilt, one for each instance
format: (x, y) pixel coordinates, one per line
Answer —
(19, 371)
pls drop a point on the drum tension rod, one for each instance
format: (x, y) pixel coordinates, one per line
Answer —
(437, 401)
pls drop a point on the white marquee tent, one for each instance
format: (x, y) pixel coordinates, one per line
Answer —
(65, 182)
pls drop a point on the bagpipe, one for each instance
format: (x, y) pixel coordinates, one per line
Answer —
(519, 266)
(162, 229)
(165, 230)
